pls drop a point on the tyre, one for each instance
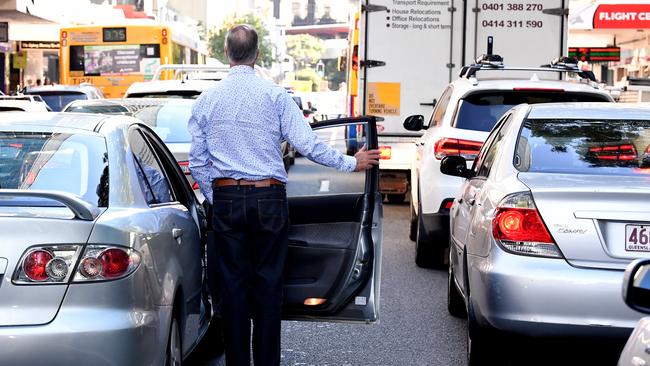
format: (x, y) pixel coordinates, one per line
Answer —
(413, 228)
(174, 344)
(455, 301)
(396, 198)
(482, 348)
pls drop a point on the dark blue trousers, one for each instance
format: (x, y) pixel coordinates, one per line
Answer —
(251, 238)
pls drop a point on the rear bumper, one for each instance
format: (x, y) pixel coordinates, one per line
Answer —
(547, 297)
(78, 336)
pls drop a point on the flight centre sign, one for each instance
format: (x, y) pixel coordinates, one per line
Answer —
(622, 16)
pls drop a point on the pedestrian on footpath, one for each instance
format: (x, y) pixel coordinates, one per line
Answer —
(235, 156)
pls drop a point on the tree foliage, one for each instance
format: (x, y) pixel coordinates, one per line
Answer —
(217, 39)
(305, 49)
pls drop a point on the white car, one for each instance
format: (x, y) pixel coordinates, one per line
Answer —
(23, 103)
(636, 294)
(463, 116)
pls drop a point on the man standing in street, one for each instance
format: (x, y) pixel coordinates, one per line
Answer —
(236, 128)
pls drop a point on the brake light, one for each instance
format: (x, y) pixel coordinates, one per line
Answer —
(185, 167)
(56, 264)
(456, 147)
(195, 186)
(518, 227)
(539, 89)
(385, 152)
(35, 265)
(625, 152)
(46, 264)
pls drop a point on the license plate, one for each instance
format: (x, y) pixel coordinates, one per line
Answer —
(637, 238)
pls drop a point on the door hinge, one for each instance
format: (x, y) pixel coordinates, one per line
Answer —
(476, 10)
(433, 103)
(370, 8)
(450, 65)
(451, 9)
(371, 63)
(556, 11)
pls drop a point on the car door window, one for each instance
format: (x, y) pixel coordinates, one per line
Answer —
(485, 165)
(485, 149)
(441, 107)
(152, 179)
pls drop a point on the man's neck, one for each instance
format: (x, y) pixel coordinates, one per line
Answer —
(252, 66)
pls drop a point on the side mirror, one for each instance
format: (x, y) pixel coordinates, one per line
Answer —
(414, 122)
(455, 165)
(636, 285)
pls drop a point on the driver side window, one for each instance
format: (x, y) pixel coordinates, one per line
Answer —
(485, 158)
(441, 107)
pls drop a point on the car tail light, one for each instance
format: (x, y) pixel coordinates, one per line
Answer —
(457, 147)
(385, 152)
(518, 227)
(101, 262)
(46, 264)
(185, 167)
(52, 264)
(625, 152)
(446, 204)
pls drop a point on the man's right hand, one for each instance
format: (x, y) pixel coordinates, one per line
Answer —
(366, 159)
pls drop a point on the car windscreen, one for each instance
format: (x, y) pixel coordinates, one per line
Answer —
(71, 163)
(169, 121)
(58, 100)
(609, 147)
(480, 111)
(98, 108)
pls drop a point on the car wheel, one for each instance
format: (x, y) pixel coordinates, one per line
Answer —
(413, 229)
(428, 254)
(455, 301)
(396, 198)
(423, 252)
(174, 344)
(481, 347)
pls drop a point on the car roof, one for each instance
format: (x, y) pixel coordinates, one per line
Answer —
(51, 120)
(26, 105)
(599, 111)
(170, 85)
(531, 82)
(58, 87)
(131, 104)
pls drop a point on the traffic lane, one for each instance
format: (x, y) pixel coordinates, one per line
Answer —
(414, 327)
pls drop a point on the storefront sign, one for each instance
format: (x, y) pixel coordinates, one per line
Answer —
(622, 16)
(38, 45)
(596, 54)
(4, 32)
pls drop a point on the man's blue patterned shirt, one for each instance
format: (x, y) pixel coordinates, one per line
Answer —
(237, 127)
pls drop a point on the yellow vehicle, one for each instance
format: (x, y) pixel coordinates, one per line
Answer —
(114, 57)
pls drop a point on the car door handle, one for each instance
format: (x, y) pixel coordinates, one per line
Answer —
(177, 233)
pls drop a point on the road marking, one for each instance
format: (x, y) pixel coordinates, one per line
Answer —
(324, 186)
(333, 136)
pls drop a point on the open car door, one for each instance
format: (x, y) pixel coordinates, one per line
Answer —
(334, 260)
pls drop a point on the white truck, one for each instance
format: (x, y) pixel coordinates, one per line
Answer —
(409, 50)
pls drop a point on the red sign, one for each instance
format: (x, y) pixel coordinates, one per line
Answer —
(622, 16)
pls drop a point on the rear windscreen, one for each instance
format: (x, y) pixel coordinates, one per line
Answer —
(169, 121)
(480, 111)
(71, 163)
(58, 100)
(180, 94)
(612, 147)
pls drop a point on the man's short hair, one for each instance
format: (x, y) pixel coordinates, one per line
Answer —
(242, 44)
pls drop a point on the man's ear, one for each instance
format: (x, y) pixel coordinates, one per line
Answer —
(225, 51)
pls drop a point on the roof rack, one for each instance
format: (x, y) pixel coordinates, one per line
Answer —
(491, 62)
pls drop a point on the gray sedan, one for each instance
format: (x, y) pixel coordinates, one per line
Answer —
(104, 240)
(551, 212)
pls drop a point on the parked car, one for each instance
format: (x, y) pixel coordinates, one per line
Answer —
(549, 215)
(636, 294)
(106, 240)
(463, 116)
(167, 116)
(23, 103)
(58, 96)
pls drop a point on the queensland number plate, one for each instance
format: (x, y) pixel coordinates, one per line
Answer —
(637, 238)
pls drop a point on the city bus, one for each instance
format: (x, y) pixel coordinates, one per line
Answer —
(113, 57)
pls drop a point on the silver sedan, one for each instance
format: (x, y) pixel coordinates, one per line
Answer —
(102, 254)
(551, 212)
